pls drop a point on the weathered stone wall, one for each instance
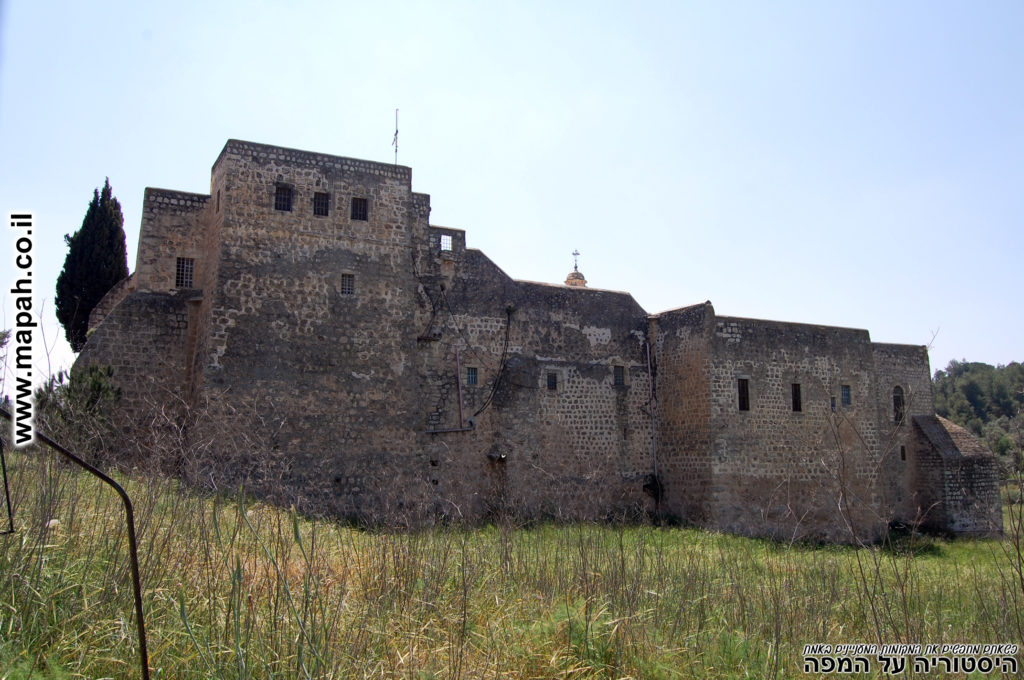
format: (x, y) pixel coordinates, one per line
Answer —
(682, 340)
(370, 365)
(961, 494)
(171, 228)
(355, 394)
(905, 367)
(778, 469)
(927, 470)
(207, 264)
(111, 300)
(317, 374)
(143, 340)
(582, 448)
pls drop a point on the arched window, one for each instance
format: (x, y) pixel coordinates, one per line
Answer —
(897, 404)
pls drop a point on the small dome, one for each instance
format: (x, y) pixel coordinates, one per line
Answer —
(575, 279)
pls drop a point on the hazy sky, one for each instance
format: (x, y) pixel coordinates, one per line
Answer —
(855, 164)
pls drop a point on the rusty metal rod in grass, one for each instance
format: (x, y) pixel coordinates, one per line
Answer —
(133, 553)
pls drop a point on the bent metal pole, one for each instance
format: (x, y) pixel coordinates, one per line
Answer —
(133, 553)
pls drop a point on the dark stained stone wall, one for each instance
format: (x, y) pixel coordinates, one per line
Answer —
(369, 365)
(961, 490)
(683, 356)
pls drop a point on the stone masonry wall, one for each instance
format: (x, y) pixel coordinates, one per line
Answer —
(928, 473)
(581, 449)
(369, 365)
(962, 493)
(684, 419)
(171, 228)
(110, 300)
(906, 367)
(775, 468)
(143, 340)
(354, 393)
(311, 330)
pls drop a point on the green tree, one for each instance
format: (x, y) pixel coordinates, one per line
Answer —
(97, 259)
(988, 400)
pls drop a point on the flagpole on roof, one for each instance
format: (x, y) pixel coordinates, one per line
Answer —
(394, 142)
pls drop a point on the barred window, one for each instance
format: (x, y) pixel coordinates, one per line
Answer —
(846, 394)
(184, 272)
(348, 284)
(619, 376)
(321, 204)
(797, 401)
(446, 241)
(360, 209)
(283, 198)
(552, 381)
(743, 391)
(471, 375)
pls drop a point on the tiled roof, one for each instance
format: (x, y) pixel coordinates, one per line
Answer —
(949, 439)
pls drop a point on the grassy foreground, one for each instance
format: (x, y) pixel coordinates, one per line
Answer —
(237, 589)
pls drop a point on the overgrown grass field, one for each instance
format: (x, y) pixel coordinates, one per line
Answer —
(237, 589)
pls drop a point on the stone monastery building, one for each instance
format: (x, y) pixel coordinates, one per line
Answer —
(306, 331)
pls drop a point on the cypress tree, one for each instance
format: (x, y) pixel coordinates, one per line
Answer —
(97, 259)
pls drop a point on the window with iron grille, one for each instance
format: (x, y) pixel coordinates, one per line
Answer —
(552, 381)
(846, 394)
(797, 401)
(184, 272)
(446, 241)
(321, 204)
(283, 198)
(619, 375)
(348, 284)
(471, 375)
(743, 391)
(360, 209)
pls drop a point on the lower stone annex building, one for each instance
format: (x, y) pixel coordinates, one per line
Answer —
(319, 340)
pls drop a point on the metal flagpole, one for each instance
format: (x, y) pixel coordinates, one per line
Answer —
(394, 142)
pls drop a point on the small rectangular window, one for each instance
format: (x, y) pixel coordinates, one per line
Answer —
(360, 209)
(847, 396)
(619, 376)
(833, 401)
(321, 204)
(552, 381)
(446, 241)
(471, 375)
(743, 389)
(348, 284)
(184, 272)
(903, 453)
(797, 402)
(283, 198)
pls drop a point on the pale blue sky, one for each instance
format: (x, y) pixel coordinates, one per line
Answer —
(846, 163)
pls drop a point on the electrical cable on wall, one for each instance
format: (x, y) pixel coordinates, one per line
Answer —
(458, 329)
(501, 366)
